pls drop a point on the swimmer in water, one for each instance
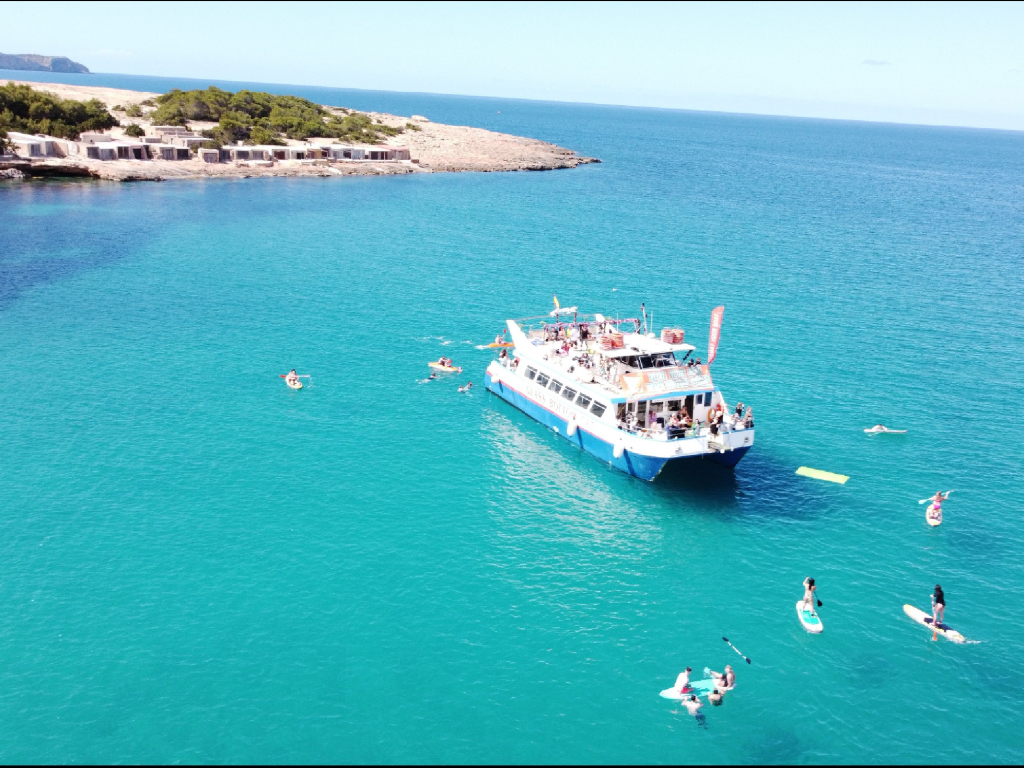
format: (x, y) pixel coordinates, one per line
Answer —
(725, 681)
(693, 706)
(469, 386)
(715, 697)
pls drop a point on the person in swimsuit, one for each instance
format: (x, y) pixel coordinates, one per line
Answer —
(809, 597)
(683, 681)
(693, 705)
(938, 606)
(937, 500)
(292, 378)
(725, 681)
(431, 377)
(715, 697)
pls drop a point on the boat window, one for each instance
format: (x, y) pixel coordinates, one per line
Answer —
(656, 407)
(542, 379)
(531, 372)
(700, 398)
(674, 405)
(597, 409)
(583, 401)
(556, 386)
(569, 394)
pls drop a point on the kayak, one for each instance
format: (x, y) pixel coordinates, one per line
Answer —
(696, 688)
(445, 368)
(925, 619)
(296, 385)
(809, 619)
(495, 345)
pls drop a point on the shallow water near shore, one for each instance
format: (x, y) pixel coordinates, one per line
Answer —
(200, 565)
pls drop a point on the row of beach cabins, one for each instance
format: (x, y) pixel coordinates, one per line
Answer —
(169, 142)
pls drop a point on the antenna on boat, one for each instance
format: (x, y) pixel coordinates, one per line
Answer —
(643, 311)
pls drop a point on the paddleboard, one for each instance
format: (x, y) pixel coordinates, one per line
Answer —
(810, 620)
(697, 688)
(925, 619)
(930, 521)
(296, 385)
(445, 368)
(820, 474)
(873, 431)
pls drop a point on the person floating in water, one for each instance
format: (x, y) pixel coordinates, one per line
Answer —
(693, 706)
(467, 387)
(938, 607)
(715, 697)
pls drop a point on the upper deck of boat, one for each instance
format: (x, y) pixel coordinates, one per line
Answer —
(643, 366)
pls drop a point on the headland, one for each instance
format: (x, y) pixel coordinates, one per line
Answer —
(140, 148)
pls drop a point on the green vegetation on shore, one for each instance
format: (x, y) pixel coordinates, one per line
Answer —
(259, 118)
(29, 111)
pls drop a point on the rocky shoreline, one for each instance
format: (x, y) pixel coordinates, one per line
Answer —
(434, 148)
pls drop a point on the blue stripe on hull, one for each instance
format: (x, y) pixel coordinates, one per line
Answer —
(644, 467)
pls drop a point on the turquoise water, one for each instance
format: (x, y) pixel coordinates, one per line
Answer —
(198, 564)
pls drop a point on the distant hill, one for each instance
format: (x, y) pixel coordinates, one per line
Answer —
(36, 63)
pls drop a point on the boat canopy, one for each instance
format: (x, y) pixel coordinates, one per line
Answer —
(638, 344)
(562, 311)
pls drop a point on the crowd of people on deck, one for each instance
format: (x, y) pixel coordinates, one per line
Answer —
(682, 423)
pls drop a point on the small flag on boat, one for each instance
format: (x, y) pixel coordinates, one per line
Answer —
(556, 303)
(820, 474)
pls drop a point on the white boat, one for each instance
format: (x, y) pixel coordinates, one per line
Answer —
(612, 390)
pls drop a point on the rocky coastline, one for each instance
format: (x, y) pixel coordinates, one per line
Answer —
(433, 147)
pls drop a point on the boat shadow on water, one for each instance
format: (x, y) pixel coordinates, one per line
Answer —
(759, 487)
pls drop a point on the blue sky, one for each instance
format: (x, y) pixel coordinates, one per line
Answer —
(947, 64)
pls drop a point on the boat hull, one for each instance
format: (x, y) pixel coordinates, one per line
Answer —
(639, 465)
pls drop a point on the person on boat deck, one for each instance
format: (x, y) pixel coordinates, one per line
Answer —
(739, 410)
(809, 590)
(515, 363)
(683, 681)
(652, 419)
(748, 420)
(727, 680)
(292, 377)
(503, 355)
(677, 421)
(938, 606)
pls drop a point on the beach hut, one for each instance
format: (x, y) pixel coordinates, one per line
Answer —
(103, 150)
(208, 155)
(345, 152)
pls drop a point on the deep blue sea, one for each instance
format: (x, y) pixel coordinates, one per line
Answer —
(200, 565)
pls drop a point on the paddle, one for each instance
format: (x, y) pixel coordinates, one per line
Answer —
(298, 375)
(946, 496)
(737, 650)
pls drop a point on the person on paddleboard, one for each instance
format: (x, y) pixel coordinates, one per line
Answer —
(727, 680)
(938, 606)
(292, 377)
(683, 681)
(809, 596)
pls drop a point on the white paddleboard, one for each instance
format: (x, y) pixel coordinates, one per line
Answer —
(885, 430)
(932, 522)
(697, 688)
(811, 620)
(925, 619)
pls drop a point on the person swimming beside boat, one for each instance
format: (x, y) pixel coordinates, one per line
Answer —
(467, 387)
(715, 697)
(938, 606)
(683, 681)
(693, 706)
(727, 680)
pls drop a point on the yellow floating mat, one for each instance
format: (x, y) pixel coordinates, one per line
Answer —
(819, 474)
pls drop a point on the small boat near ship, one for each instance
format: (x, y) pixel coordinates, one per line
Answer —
(616, 391)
